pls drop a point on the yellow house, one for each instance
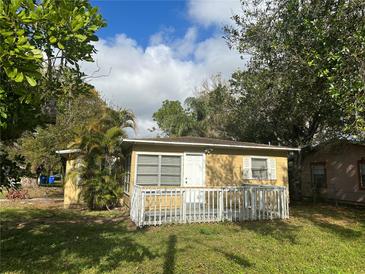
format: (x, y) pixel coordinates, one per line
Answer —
(72, 185)
(203, 162)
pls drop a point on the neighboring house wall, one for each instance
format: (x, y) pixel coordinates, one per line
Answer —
(223, 167)
(342, 172)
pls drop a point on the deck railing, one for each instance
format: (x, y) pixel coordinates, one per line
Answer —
(156, 206)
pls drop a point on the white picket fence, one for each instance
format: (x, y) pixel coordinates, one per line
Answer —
(156, 206)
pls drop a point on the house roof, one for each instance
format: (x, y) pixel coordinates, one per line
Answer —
(205, 142)
(333, 145)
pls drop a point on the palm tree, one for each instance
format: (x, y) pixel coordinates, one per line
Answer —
(103, 157)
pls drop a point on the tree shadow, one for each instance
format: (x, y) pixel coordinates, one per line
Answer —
(169, 264)
(67, 242)
(223, 170)
(332, 219)
(241, 260)
(278, 229)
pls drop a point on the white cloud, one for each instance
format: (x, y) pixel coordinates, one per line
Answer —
(213, 12)
(141, 78)
(162, 36)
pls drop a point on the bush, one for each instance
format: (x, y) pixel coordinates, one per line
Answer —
(102, 191)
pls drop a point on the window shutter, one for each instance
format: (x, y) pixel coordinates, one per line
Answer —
(247, 174)
(272, 168)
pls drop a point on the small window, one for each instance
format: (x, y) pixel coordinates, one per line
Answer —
(259, 168)
(362, 173)
(159, 170)
(318, 173)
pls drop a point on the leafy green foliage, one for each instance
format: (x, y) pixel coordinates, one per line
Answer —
(173, 119)
(38, 41)
(103, 163)
(10, 173)
(73, 117)
(204, 115)
(41, 43)
(102, 191)
(306, 68)
(268, 108)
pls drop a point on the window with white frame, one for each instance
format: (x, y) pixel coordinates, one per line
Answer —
(259, 168)
(158, 170)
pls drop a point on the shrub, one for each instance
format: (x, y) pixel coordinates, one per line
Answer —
(102, 191)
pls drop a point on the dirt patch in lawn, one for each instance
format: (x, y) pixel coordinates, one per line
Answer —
(56, 214)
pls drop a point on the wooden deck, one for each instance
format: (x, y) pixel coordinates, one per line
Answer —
(156, 206)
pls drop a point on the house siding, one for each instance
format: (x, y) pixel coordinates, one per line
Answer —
(342, 172)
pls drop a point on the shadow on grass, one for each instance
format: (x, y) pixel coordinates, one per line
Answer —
(67, 242)
(325, 217)
(277, 229)
(39, 240)
(169, 264)
(240, 260)
(332, 219)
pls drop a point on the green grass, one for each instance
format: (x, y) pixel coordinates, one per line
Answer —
(321, 239)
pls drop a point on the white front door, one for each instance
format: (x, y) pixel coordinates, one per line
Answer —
(194, 170)
(194, 177)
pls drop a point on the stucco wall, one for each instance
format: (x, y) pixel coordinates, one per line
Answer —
(223, 167)
(72, 191)
(341, 169)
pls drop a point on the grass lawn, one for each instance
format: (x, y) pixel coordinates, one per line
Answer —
(321, 239)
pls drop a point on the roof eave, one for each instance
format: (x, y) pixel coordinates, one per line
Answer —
(154, 142)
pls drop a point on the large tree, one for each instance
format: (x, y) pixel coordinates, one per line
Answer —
(75, 117)
(39, 146)
(174, 120)
(204, 114)
(41, 43)
(305, 80)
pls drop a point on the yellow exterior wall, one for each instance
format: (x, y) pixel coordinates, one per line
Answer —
(72, 191)
(223, 167)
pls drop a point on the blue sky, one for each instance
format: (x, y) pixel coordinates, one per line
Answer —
(160, 50)
(141, 19)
